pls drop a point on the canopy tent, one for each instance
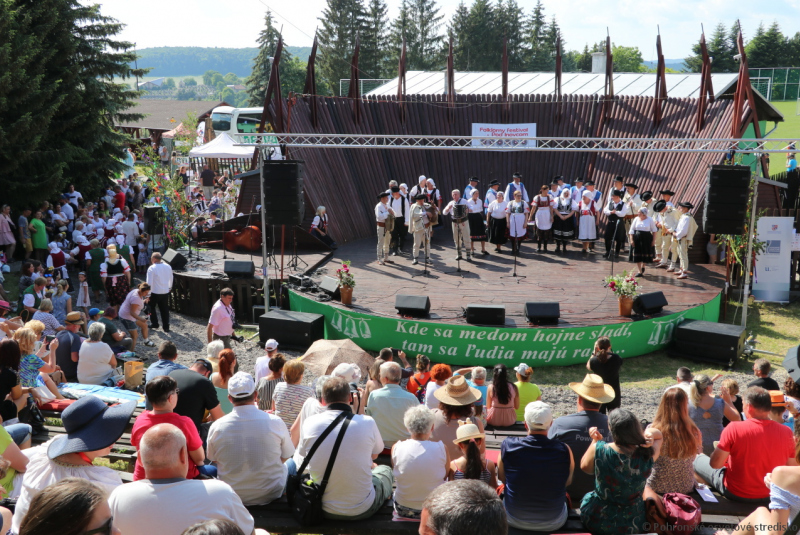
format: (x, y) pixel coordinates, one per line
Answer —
(221, 147)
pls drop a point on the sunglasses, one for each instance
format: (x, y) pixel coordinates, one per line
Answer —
(105, 529)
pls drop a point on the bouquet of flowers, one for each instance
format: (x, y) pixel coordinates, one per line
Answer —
(345, 276)
(624, 285)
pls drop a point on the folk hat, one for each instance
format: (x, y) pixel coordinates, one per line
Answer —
(420, 197)
(579, 179)
(589, 183)
(666, 192)
(74, 318)
(474, 179)
(91, 425)
(686, 205)
(660, 205)
(494, 183)
(538, 415)
(516, 175)
(395, 189)
(241, 385)
(616, 193)
(619, 178)
(647, 195)
(467, 431)
(457, 392)
(382, 194)
(587, 193)
(593, 389)
(631, 185)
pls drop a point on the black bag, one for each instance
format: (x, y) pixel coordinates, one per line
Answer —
(303, 493)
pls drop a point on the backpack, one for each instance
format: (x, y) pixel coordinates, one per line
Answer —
(421, 388)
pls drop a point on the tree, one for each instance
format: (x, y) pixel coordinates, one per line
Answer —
(767, 48)
(720, 51)
(342, 20)
(481, 43)
(169, 83)
(185, 94)
(535, 30)
(509, 20)
(425, 39)
(262, 64)
(793, 51)
(374, 62)
(230, 79)
(208, 77)
(627, 59)
(583, 61)
(188, 82)
(548, 46)
(401, 29)
(458, 29)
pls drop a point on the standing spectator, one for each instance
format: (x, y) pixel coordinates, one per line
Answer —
(607, 365)
(502, 399)
(440, 373)
(72, 195)
(131, 231)
(456, 401)
(39, 236)
(197, 395)
(62, 301)
(220, 323)
(119, 198)
(7, 238)
(24, 231)
(96, 362)
(69, 345)
(207, 181)
(95, 258)
(761, 369)
(227, 367)
(112, 335)
(71, 506)
(465, 506)
(129, 313)
(290, 395)
(262, 363)
(266, 386)
(528, 392)
(256, 473)
(707, 410)
(159, 277)
(388, 405)
(167, 356)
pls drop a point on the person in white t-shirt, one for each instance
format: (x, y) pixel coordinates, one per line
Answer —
(262, 363)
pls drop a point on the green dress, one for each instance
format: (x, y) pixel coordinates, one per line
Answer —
(615, 506)
(98, 256)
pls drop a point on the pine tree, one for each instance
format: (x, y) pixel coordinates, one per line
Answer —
(458, 28)
(767, 48)
(373, 61)
(583, 63)
(400, 29)
(510, 25)
(342, 21)
(424, 42)
(262, 65)
(793, 51)
(536, 29)
(482, 45)
(551, 36)
(719, 49)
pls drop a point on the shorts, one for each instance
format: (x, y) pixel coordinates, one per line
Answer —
(128, 324)
(28, 246)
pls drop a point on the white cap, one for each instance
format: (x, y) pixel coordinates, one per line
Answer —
(241, 385)
(271, 345)
(348, 372)
(538, 414)
(522, 369)
(587, 193)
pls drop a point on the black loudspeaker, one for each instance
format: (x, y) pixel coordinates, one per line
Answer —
(727, 192)
(293, 329)
(486, 314)
(175, 259)
(330, 286)
(416, 306)
(709, 341)
(239, 269)
(153, 220)
(542, 313)
(650, 303)
(790, 364)
(284, 203)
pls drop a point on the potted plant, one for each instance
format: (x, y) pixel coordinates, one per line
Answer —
(625, 287)
(346, 283)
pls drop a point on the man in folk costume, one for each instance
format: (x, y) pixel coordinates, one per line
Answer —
(618, 185)
(473, 183)
(634, 202)
(116, 275)
(667, 195)
(516, 185)
(399, 205)
(491, 194)
(616, 210)
(57, 259)
(383, 216)
(31, 298)
(666, 221)
(419, 225)
(682, 236)
(461, 235)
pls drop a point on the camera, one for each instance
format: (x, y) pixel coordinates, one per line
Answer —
(237, 339)
(353, 388)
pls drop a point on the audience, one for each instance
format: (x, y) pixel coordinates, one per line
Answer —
(51, 324)
(352, 374)
(290, 395)
(502, 399)
(527, 462)
(69, 346)
(312, 406)
(131, 313)
(262, 363)
(761, 369)
(33, 370)
(747, 451)
(113, 336)
(213, 349)
(478, 382)
(607, 365)
(12, 460)
(374, 382)
(256, 472)
(472, 464)
(419, 465)
(227, 367)
(528, 392)
(167, 356)
(71, 506)
(166, 502)
(460, 507)
(214, 527)
(267, 384)
(707, 410)
(417, 383)
(778, 412)
(96, 361)
(736, 400)
(387, 354)
(684, 380)
(388, 405)
(456, 401)
(14, 397)
(197, 395)
(440, 373)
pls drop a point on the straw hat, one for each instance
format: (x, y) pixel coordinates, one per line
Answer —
(593, 389)
(467, 431)
(457, 392)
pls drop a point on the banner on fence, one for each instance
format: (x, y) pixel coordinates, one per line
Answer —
(504, 136)
(772, 279)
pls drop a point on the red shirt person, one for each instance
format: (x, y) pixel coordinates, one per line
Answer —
(119, 198)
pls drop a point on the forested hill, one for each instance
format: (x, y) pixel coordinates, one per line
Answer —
(195, 60)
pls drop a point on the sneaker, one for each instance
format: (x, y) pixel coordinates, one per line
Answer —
(149, 343)
(415, 262)
(683, 276)
(670, 269)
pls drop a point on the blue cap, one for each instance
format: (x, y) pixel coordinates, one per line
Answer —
(94, 311)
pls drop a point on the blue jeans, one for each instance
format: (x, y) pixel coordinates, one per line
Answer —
(19, 432)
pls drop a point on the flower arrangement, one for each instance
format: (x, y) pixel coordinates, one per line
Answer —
(345, 276)
(624, 285)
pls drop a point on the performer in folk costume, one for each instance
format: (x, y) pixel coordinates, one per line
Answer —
(543, 215)
(435, 200)
(477, 225)
(587, 220)
(419, 225)
(616, 210)
(405, 195)
(666, 220)
(319, 227)
(491, 194)
(460, 227)
(577, 190)
(564, 219)
(516, 217)
(57, 259)
(116, 275)
(419, 188)
(682, 236)
(516, 185)
(634, 202)
(383, 217)
(618, 185)
(399, 205)
(666, 196)
(473, 184)
(496, 221)
(642, 236)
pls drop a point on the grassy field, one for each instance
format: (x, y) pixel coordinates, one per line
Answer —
(790, 127)
(198, 78)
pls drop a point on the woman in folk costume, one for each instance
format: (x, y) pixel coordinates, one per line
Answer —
(516, 219)
(496, 221)
(477, 226)
(543, 204)
(116, 274)
(563, 220)
(109, 232)
(57, 259)
(642, 238)
(587, 223)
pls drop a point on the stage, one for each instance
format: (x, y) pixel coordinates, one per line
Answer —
(574, 280)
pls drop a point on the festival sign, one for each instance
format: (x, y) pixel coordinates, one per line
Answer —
(504, 136)
(470, 345)
(772, 270)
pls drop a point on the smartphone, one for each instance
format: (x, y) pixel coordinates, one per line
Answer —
(395, 352)
(49, 339)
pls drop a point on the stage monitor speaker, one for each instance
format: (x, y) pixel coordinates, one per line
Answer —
(709, 341)
(649, 303)
(330, 286)
(153, 220)
(727, 192)
(542, 313)
(416, 306)
(239, 269)
(293, 329)
(175, 259)
(790, 364)
(283, 202)
(486, 314)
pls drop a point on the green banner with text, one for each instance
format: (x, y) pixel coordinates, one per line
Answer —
(470, 345)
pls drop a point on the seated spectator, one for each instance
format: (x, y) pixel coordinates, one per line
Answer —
(162, 394)
(113, 336)
(214, 527)
(354, 491)
(387, 354)
(92, 428)
(69, 506)
(706, 410)
(172, 503)
(8, 325)
(502, 399)
(792, 392)
(456, 400)
(388, 405)
(374, 382)
(12, 460)
(440, 373)
(778, 412)
(736, 400)
(621, 470)
(69, 346)
(290, 395)
(312, 406)
(761, 369)
(94, 315)
(44, 314)
(257, 472)
(472, 464)
(227, 366)
(34, 369)
(198, 395)
(418, 464)
(167, 355)
(526, 462)
(213, 349)
(267, 384)
(12, 397)
(747, 451)
(479, 383)
(262, 363)
(417, 383)
(606, 364)
(464, 506)
(96, 361)
(673, 471)
(528, 392)
(684, 380)
(352, 374)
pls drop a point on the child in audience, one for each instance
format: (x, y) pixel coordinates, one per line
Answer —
(142, 260)
(84, 301)
(472, 464)
(733, 389)
(374, 382)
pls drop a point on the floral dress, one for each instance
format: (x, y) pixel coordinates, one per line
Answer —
(615, 506)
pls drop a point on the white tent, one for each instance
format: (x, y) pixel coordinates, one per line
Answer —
(221, 147)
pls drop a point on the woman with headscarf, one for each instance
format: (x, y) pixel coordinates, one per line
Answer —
(95, 258)
(319, 226)
(477, 226)
(563, 220)
(642, 238)
(543, 203)
(57, 259)
(516, 217)
(116, 275)
(587, 222)
(496, 221)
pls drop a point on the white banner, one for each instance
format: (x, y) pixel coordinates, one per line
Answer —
(504, 136)
(772, 277)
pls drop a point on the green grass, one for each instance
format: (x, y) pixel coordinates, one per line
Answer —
(790, 127)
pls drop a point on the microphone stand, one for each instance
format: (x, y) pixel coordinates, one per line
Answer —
(460, 242)
(515, 247)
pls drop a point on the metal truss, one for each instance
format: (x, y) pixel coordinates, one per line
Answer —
(538, 144)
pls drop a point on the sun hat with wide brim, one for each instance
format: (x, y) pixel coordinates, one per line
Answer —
(91, 425)
(594, 389)
(457, 392)
(467, 431)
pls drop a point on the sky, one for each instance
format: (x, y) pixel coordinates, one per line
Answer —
(236, 23)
